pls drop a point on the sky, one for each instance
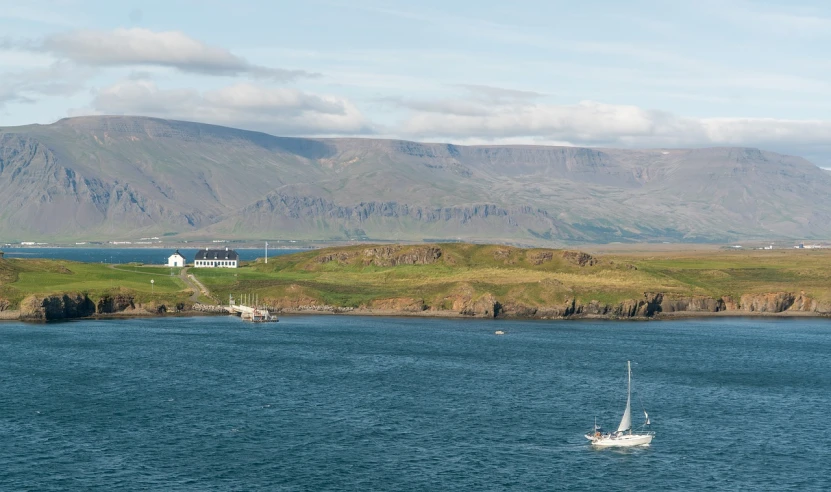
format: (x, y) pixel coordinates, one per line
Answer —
(634, 74)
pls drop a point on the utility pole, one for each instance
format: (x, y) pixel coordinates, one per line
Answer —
(266, 252)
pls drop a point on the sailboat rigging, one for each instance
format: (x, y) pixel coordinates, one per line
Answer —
(623, 436)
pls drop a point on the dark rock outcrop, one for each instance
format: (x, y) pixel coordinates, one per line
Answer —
(57, 307)
(767, 303)
(398, 255)
(114, 304)
(341, 256)
(539, 257)
(696, 304)
(579, 258)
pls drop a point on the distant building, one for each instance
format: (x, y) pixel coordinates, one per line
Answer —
(216, 258)
(176, 260)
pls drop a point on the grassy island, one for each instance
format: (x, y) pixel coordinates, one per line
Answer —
(453, 279)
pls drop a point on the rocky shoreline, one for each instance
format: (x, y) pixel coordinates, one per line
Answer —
(653, 306)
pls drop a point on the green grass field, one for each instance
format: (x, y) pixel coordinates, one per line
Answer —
(512, 275)
(20, 278)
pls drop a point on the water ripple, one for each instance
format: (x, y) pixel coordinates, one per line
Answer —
(342, 403)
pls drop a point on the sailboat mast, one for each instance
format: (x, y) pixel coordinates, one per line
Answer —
(629, 392)
(626, 421)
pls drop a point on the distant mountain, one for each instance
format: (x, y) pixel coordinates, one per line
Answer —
(118, 177)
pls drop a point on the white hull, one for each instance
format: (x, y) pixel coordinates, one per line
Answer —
(622, 441)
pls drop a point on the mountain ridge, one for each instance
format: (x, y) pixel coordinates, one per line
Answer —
(114, 177)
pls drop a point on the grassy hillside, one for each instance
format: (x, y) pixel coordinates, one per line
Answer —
(464, 278)
(367, 276)
(735, 273)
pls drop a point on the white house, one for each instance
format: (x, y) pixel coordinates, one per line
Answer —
(216, 258)
(176, 260)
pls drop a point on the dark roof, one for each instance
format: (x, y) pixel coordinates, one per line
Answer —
(217, 254)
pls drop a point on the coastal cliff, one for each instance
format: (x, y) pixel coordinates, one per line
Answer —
(75, 305)
(489, 281)
(652, 306)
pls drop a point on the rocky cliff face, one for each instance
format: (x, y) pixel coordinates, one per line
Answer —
(64, 306)
(655, 304)
(652, 305)
(75, 305)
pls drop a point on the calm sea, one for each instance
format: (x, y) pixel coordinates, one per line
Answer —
(149, 256)
(353, 403)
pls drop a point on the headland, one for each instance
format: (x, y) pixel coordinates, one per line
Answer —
(445, 279)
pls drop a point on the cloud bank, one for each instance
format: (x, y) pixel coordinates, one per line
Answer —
(592, 123)
(277, 110)
(174, 49)
(28, 86)
(480, 116)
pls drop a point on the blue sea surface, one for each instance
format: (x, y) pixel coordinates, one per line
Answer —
(360, 403)
(148, 256)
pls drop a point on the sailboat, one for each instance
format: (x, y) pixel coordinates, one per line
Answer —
(623, 436)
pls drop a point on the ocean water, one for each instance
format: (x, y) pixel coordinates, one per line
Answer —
(148, 256)
(359, 403)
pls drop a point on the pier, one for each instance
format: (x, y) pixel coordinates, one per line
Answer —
(256, 314)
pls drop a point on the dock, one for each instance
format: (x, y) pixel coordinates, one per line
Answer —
(255, 314)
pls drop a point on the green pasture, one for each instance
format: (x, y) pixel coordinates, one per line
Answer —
(743, 272)
(511, 275)
(23, 277)
(346, 277)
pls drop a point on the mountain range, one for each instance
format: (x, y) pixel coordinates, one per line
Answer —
(122, 177)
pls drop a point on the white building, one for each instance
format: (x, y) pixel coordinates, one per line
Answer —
(216, 258)
(176, 260)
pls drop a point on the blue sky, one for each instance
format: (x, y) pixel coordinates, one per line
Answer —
(601, 73)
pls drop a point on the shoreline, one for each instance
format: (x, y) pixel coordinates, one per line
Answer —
(14, 316)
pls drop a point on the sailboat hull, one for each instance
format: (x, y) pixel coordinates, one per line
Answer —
(623, 441)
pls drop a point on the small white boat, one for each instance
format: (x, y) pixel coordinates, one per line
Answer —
(623, 437)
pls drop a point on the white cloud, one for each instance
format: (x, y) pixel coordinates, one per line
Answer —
(585, 123)
(137, 46)
(475, 119)
(29, 85)
(282, 111)
(591, 123)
